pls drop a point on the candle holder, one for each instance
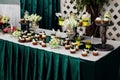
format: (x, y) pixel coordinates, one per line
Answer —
(103, 46)
(25, 25)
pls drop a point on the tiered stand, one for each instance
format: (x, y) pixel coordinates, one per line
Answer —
(103, 46)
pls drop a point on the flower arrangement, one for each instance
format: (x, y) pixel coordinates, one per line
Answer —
(35, 18)
(70, 22)
(54, 43)
(4, 22)
(32, 17)
(16, 33)
(4, 19)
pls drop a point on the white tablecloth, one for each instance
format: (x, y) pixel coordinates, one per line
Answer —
(61, 49)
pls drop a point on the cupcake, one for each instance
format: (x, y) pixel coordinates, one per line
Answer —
(72, 50)
(40, 42)
(37, 36)
(29, 34)
(24, 36)
(34, 42)
(67, 46)
(95, 53)
(28, 39)
(21, 39)
(40, 33)
(77, 48)
(43, 36)
(106, 21)
(84, 53)
(98, 20)
(43, 44)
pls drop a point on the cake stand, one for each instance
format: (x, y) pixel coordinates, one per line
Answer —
(25, 25)
(103, 46)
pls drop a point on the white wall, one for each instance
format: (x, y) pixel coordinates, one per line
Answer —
(11, 8)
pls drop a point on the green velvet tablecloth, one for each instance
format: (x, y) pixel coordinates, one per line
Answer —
(19, 62)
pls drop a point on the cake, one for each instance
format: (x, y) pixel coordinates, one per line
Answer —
(95, 53)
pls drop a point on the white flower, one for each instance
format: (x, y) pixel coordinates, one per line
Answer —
(71, 22)
(35, 17)
(54, 43)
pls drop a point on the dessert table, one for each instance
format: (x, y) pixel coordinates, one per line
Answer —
(24, 61)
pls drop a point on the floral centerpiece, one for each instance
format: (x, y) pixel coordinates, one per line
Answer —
(4, 24)
(70, 24)
(34, 18)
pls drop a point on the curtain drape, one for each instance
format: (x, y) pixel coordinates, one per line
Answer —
(45, 8)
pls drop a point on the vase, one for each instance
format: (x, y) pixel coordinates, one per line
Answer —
(34, 25)
(71, 33)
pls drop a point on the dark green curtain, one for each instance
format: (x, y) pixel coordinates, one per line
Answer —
(45, 8)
